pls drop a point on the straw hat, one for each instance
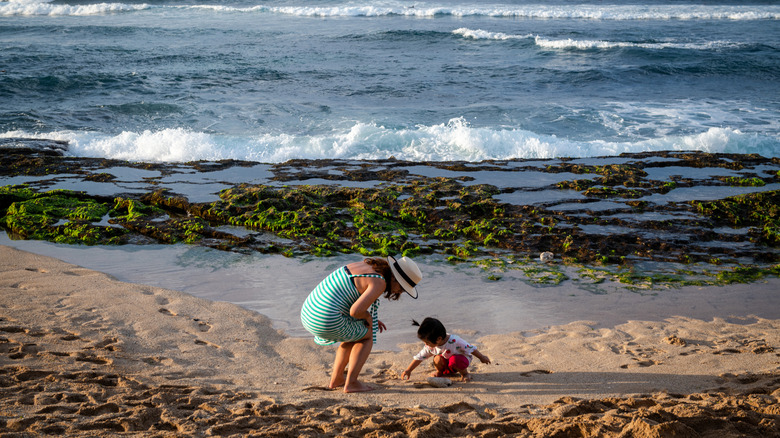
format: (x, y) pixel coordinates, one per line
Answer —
(406, 273)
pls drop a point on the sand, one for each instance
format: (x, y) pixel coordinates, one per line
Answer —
(82, 354)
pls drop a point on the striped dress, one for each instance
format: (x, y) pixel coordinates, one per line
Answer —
(325, 313)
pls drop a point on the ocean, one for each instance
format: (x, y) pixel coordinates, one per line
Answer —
(175, 81)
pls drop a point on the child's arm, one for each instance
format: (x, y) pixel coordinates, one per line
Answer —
(481, 356)
(408, 371)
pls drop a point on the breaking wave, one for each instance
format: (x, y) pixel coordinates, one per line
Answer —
(453, 141)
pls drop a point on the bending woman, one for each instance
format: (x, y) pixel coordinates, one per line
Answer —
(344, 308)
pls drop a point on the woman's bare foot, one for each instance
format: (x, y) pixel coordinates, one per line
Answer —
(358, 387)
(336, 382)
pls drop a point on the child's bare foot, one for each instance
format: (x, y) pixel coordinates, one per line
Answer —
(466, 377)
(437, 374)
(357, 387)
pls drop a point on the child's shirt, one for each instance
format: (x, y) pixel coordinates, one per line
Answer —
(454, 345)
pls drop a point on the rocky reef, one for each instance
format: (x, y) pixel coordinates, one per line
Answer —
(714, 217)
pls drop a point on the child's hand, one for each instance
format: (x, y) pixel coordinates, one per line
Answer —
(406, 375)
(484, 359)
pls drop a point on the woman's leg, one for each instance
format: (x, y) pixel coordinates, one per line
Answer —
(339, 364)
(357, 358)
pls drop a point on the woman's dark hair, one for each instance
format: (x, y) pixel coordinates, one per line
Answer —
(383, 268)
(430, 330)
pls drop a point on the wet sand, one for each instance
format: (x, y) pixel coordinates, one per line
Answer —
(276, 286)
(83, 354)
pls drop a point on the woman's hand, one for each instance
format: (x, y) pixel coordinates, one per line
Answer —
(382, 326)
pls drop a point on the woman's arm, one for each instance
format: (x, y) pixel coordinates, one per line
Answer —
(372, 288)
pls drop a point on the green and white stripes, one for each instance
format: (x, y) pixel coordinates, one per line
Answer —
(325, 313)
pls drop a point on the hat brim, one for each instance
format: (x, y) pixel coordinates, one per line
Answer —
(408, 288)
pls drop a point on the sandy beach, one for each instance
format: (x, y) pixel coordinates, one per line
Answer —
(82, 354)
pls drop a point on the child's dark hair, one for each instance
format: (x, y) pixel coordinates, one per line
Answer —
(430, 330)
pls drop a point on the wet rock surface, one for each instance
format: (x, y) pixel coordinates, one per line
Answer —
(643, 219)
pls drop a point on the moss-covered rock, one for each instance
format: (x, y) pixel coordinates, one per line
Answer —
(58, 216)
(402, 212)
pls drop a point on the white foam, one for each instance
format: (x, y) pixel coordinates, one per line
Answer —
(598, 44)
(479, 34)
(541, 11)
(452, 141)
(546, 43)
(37, 7)
(429, 10)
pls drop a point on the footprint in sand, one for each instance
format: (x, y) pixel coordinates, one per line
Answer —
(6, 345)
(23, 350)
(97, 360)
(13, 329)
(641, 363)
(530, 373)
(202, 342)
(202, 326)
(105, 344)
(642, 356)
(727, 351)
(56, 353)
(93, 411)
(157, 360)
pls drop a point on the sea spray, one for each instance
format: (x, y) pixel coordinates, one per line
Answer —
(453, 141)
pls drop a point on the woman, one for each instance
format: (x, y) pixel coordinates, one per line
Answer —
(344, 308)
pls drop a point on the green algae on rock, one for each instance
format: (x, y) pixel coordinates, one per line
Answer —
(617, 218)
(761, 211)
(59, 216)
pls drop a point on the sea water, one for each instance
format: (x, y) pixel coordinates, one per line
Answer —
(268, 81)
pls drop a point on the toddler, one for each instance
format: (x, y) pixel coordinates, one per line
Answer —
(451, 354)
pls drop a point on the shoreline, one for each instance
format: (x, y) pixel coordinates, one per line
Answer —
(148, 360)
(514, 304)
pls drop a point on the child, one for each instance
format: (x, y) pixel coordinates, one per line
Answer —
(451, 354)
